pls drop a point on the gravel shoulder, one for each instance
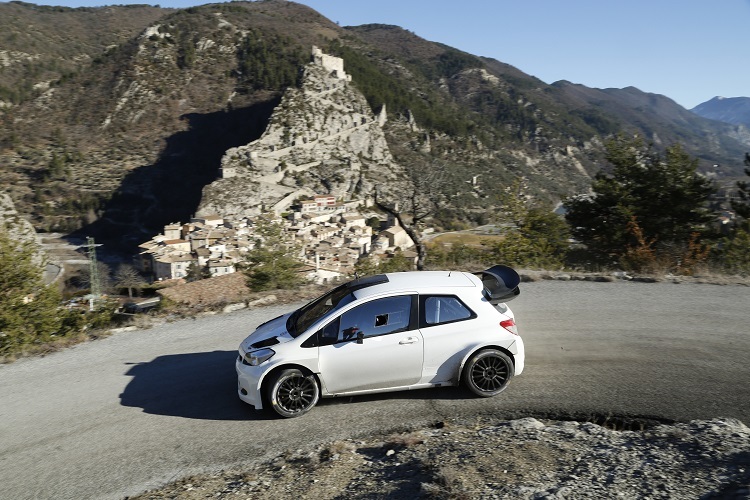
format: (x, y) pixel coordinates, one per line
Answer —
(524, 458)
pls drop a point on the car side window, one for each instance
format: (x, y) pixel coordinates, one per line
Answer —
(329, 334)
(326, 336)
(437, 310)
(377, 317)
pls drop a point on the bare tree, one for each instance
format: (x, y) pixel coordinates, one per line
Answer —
(105, 282)
(415, 203)
(128, 277)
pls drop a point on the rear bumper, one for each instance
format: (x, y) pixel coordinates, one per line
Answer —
(520, 356)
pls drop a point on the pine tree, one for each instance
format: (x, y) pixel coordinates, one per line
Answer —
(29, 310)
(664, 194)
(272, 264)
(742, 204)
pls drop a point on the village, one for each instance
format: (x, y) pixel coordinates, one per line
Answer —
(332, 237)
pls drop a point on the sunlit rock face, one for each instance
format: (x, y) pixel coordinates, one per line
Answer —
(322, 138)
(18, 228)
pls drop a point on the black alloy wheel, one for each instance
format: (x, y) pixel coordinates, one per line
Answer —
(292, 393)
(488, 372)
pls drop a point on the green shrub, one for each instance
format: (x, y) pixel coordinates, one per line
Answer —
(732, 254)
(29, 310)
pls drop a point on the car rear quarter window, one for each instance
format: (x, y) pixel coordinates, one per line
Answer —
(441, 309)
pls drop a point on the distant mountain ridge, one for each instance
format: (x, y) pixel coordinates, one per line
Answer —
(123, 137)
(734, 110)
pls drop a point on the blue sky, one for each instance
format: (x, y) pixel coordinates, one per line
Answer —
(688, 50)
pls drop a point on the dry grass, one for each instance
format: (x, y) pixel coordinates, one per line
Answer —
(404, 440)
(51, 346)
(449, 484)
(468, 239)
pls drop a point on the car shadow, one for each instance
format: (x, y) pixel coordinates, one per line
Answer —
(197, 385)
(203, 386)
(432, 394)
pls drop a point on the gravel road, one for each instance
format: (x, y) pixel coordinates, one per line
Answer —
(124, 414)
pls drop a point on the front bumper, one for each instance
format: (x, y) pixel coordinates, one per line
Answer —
(248, 383)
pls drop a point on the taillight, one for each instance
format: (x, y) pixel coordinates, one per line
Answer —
(510, 325)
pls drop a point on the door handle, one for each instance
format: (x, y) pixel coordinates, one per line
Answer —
(409, 340)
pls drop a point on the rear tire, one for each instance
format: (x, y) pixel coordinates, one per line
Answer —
(291, 393)
(488, 372)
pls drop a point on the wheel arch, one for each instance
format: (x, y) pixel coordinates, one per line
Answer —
(263, 386)
(471, 353)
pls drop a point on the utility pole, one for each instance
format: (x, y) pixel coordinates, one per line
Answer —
(95, 289)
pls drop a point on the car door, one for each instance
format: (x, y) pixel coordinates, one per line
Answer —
(446, 325)
(375, 345)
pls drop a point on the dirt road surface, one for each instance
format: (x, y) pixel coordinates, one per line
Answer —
(120, 415)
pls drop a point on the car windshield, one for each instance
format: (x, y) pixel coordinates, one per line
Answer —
(308, 314)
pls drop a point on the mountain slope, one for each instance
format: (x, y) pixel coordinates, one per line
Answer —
(735, 110)
(142, 129)
(40, 44)
(565, 109)
(126, 141)
(664, 122)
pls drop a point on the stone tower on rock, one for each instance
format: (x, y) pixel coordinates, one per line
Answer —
(322, 138)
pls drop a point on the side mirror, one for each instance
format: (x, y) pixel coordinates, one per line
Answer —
(360, 337)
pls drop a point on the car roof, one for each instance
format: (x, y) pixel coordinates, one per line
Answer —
(416, 281)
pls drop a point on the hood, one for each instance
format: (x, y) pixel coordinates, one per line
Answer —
(268, 334)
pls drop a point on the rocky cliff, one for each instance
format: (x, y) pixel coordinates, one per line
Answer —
(18, 228)
(322, 138)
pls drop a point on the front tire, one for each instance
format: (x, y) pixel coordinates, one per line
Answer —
(291, 393)
(488, 372)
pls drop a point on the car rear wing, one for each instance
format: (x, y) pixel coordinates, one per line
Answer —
(500, 283)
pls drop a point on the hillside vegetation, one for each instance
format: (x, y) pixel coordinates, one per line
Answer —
(115, 118)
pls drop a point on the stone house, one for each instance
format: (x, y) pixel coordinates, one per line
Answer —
(308, 207)
(177, 245)
(320, 203)
(173, 231)
(362, 244)
(203, 255)
(219, 267)
(396, 236)
(172, 266)
(321, 233)
(351, 220)
(213, 220)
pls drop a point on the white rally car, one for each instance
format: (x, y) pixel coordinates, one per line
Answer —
(387, 332)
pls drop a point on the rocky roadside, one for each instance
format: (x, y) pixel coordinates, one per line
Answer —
(524, 458)
(706, 279)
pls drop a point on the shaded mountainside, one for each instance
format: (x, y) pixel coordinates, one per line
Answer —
(124, 134)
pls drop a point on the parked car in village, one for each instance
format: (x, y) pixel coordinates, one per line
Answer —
(387, 332)
(132, 307)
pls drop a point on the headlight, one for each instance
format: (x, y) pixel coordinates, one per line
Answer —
(257, 357)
